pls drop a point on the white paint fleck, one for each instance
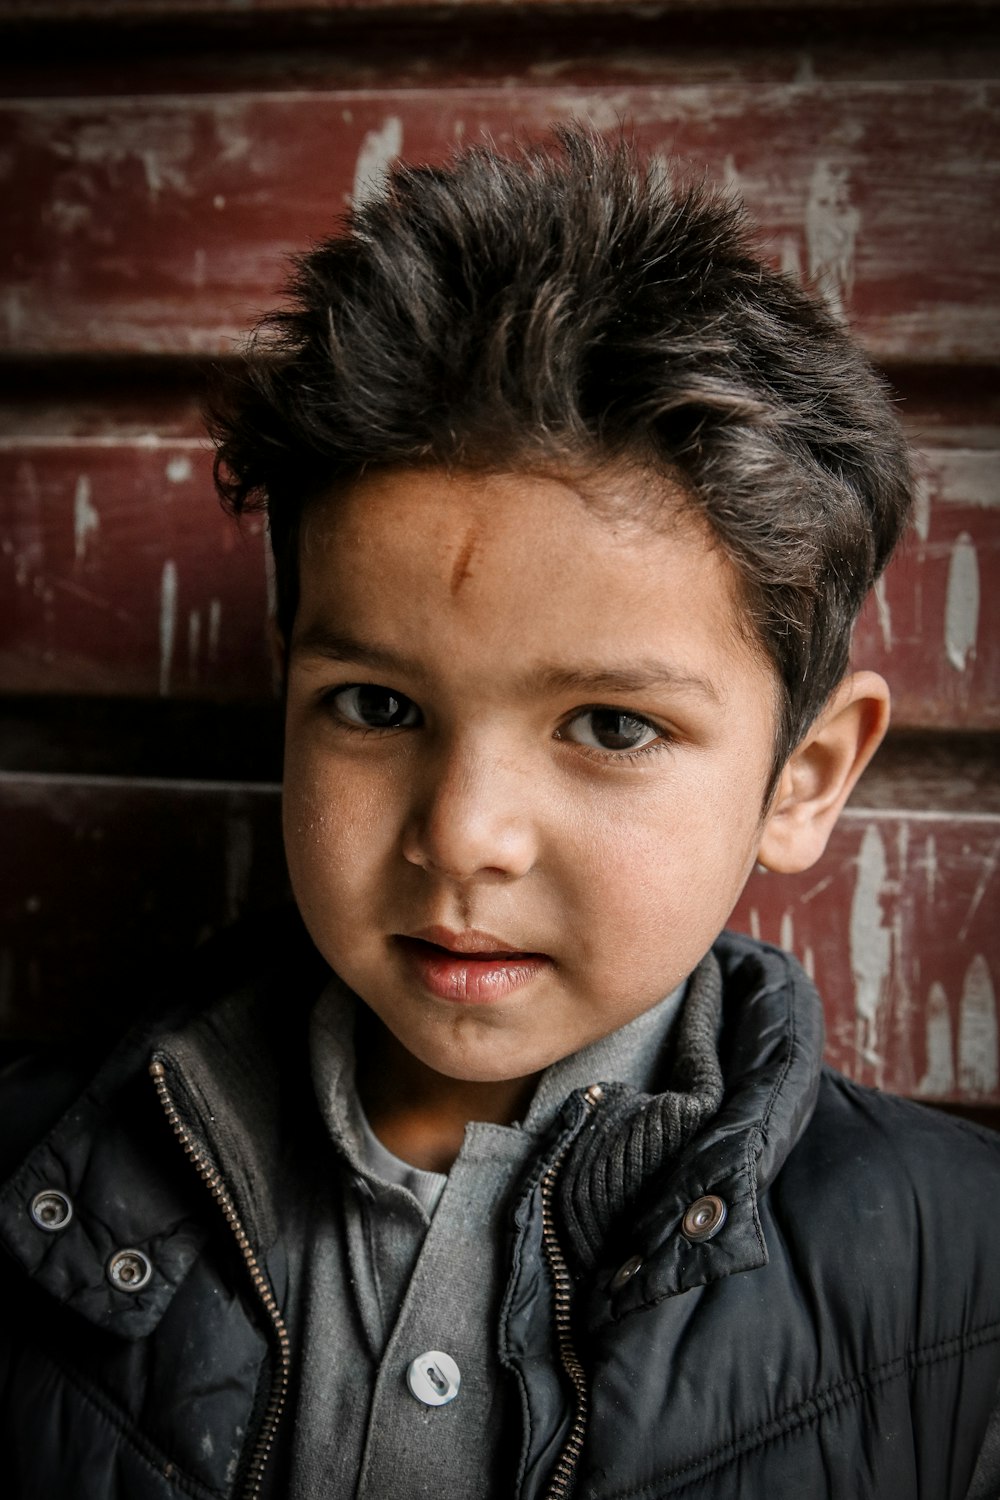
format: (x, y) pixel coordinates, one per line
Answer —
(151, 171)
(791, 257)
(870, 944)
(832, 224)
(787, 934)
(179, 469)
(922, 504)
(931, 868)
(961, 610)
(884, 613)
(978, 1063)
(219, 202)
(939, 1079)
(809, 963)
(168, 623)
(379, 149)
(194, 642)
(13, 314)
(214, 627)
(755, 923)
(86, 521)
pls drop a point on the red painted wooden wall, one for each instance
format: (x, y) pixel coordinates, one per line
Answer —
(159, 159)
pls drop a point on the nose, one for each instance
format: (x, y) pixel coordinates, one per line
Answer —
(472, 816)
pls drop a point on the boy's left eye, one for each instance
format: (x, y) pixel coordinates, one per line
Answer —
(610, 729)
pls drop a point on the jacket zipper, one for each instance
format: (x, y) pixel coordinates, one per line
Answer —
(562, 1476)
(280, 1378)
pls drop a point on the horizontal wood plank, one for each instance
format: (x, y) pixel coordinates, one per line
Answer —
(163, 223)
(897, 922)
(120, 575)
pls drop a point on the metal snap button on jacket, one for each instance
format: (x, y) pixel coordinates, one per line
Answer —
(625, 1272)
(51, 1210)
(704, 1218)
(434, 1378)
(129, 1270)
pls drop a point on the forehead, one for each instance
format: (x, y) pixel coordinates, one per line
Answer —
(513, 575)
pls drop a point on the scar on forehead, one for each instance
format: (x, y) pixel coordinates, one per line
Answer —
(463, 562)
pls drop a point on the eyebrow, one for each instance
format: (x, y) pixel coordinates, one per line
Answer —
(634, 677)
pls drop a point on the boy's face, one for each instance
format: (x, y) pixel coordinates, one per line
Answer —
(526, 751)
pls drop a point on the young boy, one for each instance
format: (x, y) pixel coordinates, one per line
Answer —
(523, 1181)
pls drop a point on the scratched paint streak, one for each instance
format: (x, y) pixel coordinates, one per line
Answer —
(961, 610)
(379, 149)
(921, 504)
(194, 643)
(939, 1078)
(978, 1064)
(86, 521)
(884, 613)
(832, 223)
(870, 944)
(214, 628)
(985, 876)
(168, 623)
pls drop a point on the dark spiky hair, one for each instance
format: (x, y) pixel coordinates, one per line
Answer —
(567, 305)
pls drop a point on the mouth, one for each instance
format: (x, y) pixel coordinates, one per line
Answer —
(470, 967)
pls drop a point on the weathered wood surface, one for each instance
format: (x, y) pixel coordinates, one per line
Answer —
(119, 574)
(897, 923)
(163, 223)
(143, 10)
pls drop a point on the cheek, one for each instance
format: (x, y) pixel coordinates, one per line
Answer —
(335, 825)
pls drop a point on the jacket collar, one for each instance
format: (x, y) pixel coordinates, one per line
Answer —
(770, 1050)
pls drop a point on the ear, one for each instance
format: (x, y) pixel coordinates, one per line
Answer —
(821, 773)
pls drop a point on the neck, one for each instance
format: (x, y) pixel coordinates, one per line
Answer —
(420, 1115)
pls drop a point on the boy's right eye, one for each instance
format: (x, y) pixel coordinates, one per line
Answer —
(369, 706)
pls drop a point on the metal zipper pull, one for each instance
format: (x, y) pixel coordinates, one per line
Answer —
(282, 1369)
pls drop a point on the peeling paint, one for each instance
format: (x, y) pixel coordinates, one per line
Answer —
(179, 470)
(921, 504)
(86, 521)
(194, 643)
(986, 875)
(379, 149)
(168, 623)
(978, 1067)
(884, 613)
(214, 627)
(791, 257)
(870, 945)
(939, 1079)
(832, 223)
(930, 868)
(961, 611)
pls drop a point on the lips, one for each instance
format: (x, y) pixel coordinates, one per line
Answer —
(469, 967)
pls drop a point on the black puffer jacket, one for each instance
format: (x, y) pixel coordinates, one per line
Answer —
(837, 1336)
